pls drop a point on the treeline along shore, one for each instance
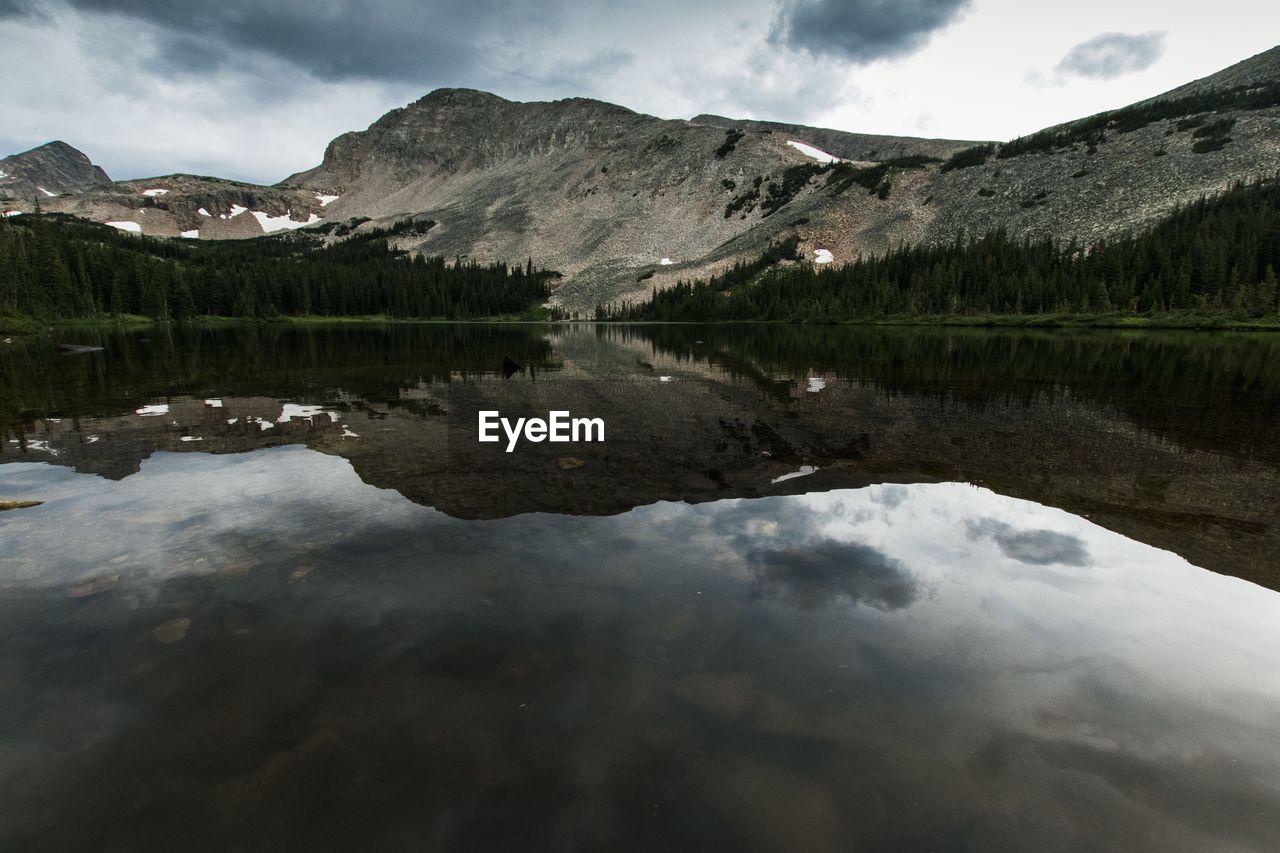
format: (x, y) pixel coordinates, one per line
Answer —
(1212, 262)
(55, 267)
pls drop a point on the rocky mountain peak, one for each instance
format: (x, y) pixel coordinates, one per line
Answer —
(49, 170)
(458, 96)
(452, 131)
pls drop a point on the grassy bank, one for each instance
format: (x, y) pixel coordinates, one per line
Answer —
(11, 326)
(19, 326)
(1169, 320)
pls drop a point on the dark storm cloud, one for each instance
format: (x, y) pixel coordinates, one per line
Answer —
(1034, 547)
(571, 71)
(17, 9)
(1113, 55)
(862, 30)
(398, 41)
(811, 576)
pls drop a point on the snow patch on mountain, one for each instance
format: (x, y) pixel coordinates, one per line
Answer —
(204, 212)
(279, 223)
(804, 471)
(193, 234)
(303, 412)
(823, 256)
(46, 192)
(154, 192)
(126, 225)
(325, 200)
(816, 153)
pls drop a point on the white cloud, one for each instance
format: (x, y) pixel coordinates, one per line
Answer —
(112, 85)
(1112, 55)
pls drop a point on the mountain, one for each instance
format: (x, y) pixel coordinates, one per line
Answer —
(50, 170)
(596, 191)
(621, 202)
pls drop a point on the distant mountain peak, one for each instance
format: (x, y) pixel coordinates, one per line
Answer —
(52, 169)
(448, 94)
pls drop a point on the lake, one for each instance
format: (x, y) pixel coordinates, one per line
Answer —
(818, 589)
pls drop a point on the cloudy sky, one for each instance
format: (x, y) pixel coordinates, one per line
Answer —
(254, 89)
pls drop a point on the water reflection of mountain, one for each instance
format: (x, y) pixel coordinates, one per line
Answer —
(1213, 391)
(1165, 438)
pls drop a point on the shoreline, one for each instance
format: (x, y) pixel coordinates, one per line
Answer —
(1174, 322)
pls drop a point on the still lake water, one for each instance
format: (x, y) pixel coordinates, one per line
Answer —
(819, 589)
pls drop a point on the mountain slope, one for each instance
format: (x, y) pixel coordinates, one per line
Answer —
(1257, 70)
(1114, 172)
(49, 170)
(841, 143)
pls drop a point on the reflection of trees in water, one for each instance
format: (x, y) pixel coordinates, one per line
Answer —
(275, 360)
(1206, 390)
(1212, 390)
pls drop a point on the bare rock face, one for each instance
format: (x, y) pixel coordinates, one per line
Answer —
(53, 169)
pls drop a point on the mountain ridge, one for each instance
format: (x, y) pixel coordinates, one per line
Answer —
(621, 202)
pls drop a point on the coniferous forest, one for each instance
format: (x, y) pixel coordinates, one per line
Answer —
(58, 267)
(1219, 255)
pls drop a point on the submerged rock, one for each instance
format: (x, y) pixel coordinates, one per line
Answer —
(94, 586)
(76, 349)
(172, 631)
(4, 505)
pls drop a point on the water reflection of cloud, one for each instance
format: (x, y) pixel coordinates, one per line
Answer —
(830, 571)
(586, 663)
(195, 513)
(1034, 547)
(889, 496)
